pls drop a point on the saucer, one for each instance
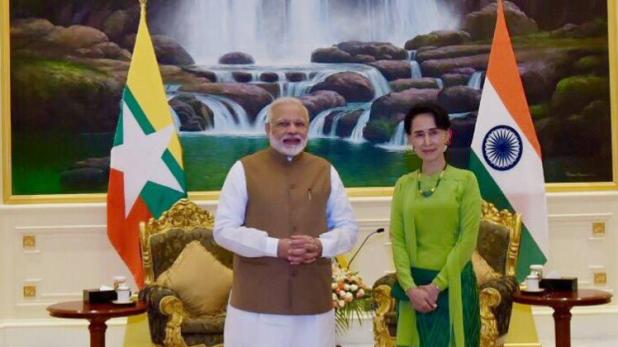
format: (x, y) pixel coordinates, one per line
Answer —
(527, 291)
(118, 302)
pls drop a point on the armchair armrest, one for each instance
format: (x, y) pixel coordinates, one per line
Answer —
(489, 299)
(497, 297)
(385, 319)
(165, 315)
(172, 306)
(385, 306)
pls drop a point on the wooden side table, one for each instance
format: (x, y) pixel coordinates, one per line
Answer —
(97, 314)
(561, 303)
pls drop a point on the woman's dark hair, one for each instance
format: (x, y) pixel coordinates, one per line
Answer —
(439, 114)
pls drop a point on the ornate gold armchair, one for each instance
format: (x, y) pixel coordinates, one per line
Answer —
(495, 262)
(163, 242)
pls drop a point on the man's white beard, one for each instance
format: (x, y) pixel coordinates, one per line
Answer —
(290, 151)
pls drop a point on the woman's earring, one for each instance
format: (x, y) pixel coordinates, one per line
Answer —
(445, 148)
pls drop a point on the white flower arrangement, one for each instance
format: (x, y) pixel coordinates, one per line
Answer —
(351, 297)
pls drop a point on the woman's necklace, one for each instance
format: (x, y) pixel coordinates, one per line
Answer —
(428, 193)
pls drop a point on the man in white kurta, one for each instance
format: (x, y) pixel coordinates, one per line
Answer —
(287, 130)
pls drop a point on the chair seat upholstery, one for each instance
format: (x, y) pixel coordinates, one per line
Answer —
(211, 324)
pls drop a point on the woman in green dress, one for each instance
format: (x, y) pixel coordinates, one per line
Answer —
(435, 216)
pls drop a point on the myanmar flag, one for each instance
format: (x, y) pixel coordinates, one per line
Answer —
(146, 174)
(506, 155)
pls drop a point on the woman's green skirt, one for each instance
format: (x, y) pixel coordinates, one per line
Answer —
(434, 327)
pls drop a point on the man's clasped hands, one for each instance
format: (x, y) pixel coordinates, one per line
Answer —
(300, 249)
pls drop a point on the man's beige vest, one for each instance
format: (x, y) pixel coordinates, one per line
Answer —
(285, 198)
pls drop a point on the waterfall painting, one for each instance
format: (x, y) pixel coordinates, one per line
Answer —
(357, 65)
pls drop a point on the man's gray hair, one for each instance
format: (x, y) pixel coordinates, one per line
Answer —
(286, 100)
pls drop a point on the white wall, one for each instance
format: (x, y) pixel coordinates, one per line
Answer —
(72, 252)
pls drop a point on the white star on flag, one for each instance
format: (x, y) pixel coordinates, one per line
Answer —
(139, 157)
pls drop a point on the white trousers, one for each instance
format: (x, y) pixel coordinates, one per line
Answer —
(249, 329)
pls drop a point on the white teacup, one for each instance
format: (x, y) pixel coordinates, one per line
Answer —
(532, 283)
(123, 294)
(536, 269)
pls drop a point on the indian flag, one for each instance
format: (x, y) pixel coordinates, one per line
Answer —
(506, 155)
(146, 175)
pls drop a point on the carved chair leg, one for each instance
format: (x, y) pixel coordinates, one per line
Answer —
(173, 307)
(489, 298)
(382, 295)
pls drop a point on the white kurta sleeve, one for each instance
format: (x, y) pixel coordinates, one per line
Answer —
(229, 231)
(343, 230)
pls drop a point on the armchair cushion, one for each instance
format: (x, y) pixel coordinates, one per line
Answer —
(200, 280)
(165, 247)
